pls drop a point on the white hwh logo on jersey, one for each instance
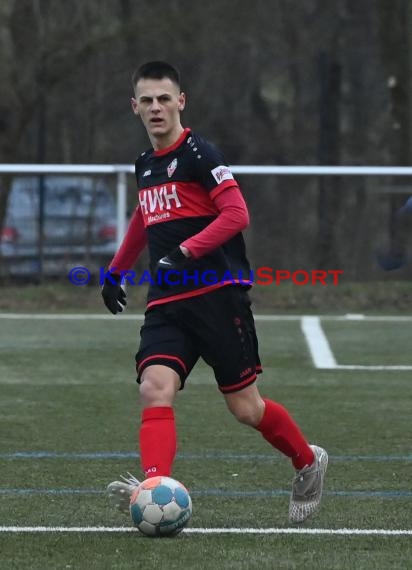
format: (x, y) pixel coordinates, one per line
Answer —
(155, 199)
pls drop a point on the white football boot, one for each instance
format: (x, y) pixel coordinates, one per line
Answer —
(307, 487)
(120, 492)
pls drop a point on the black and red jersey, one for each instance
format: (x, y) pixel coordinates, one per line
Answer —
(177, 190)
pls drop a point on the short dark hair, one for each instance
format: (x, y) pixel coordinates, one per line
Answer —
(156, 70)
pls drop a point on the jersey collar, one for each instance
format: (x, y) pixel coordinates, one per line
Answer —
(174, 145)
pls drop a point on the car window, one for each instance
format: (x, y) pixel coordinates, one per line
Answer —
(23, 201)
(80, 197)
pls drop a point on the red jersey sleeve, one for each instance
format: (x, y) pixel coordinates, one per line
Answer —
(132, 245)
(233, 217)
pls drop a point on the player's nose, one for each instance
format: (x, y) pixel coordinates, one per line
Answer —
(155, 105)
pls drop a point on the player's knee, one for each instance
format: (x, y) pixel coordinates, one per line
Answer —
(246, 405)
(158, 387)
(247, 413)
(152, 392)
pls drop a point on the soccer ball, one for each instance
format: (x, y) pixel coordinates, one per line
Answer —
(160, 506)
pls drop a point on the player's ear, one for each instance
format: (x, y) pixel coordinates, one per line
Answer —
(182, 101)
(134, 106)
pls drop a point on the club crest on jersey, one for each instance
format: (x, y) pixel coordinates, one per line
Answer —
(172, 167)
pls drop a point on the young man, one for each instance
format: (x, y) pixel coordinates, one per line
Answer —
(191, 214)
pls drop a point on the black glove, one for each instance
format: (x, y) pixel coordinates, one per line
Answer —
(173, 261)
(114, 296)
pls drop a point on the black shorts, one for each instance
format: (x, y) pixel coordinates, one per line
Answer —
(217, 326)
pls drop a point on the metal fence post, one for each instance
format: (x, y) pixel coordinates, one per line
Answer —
(121, 207)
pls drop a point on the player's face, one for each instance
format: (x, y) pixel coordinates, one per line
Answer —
(158, 102)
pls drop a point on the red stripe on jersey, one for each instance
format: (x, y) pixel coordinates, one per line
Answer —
(173, 146)
(233, 218)
(174, 201)
(194, 293)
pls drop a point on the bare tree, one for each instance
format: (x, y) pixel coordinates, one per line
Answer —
(42, 43)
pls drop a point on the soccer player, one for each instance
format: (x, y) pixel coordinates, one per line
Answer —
(191, 214)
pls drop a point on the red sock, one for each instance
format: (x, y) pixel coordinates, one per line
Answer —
(157, 441)
(281, 431)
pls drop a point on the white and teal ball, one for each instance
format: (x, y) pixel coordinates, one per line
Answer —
(160, 506)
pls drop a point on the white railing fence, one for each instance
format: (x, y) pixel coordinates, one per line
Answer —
(121, 170)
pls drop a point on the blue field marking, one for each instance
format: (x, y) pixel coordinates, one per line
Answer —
(258, 493)
(101, 455)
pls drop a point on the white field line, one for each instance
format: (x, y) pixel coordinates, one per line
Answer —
(130, 317)
(67, 317)
(119, 318)
(318, 344)
(321, 352)
(308, 531)
(373, 367)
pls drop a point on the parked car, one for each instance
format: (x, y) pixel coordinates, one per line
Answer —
(79, 225)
